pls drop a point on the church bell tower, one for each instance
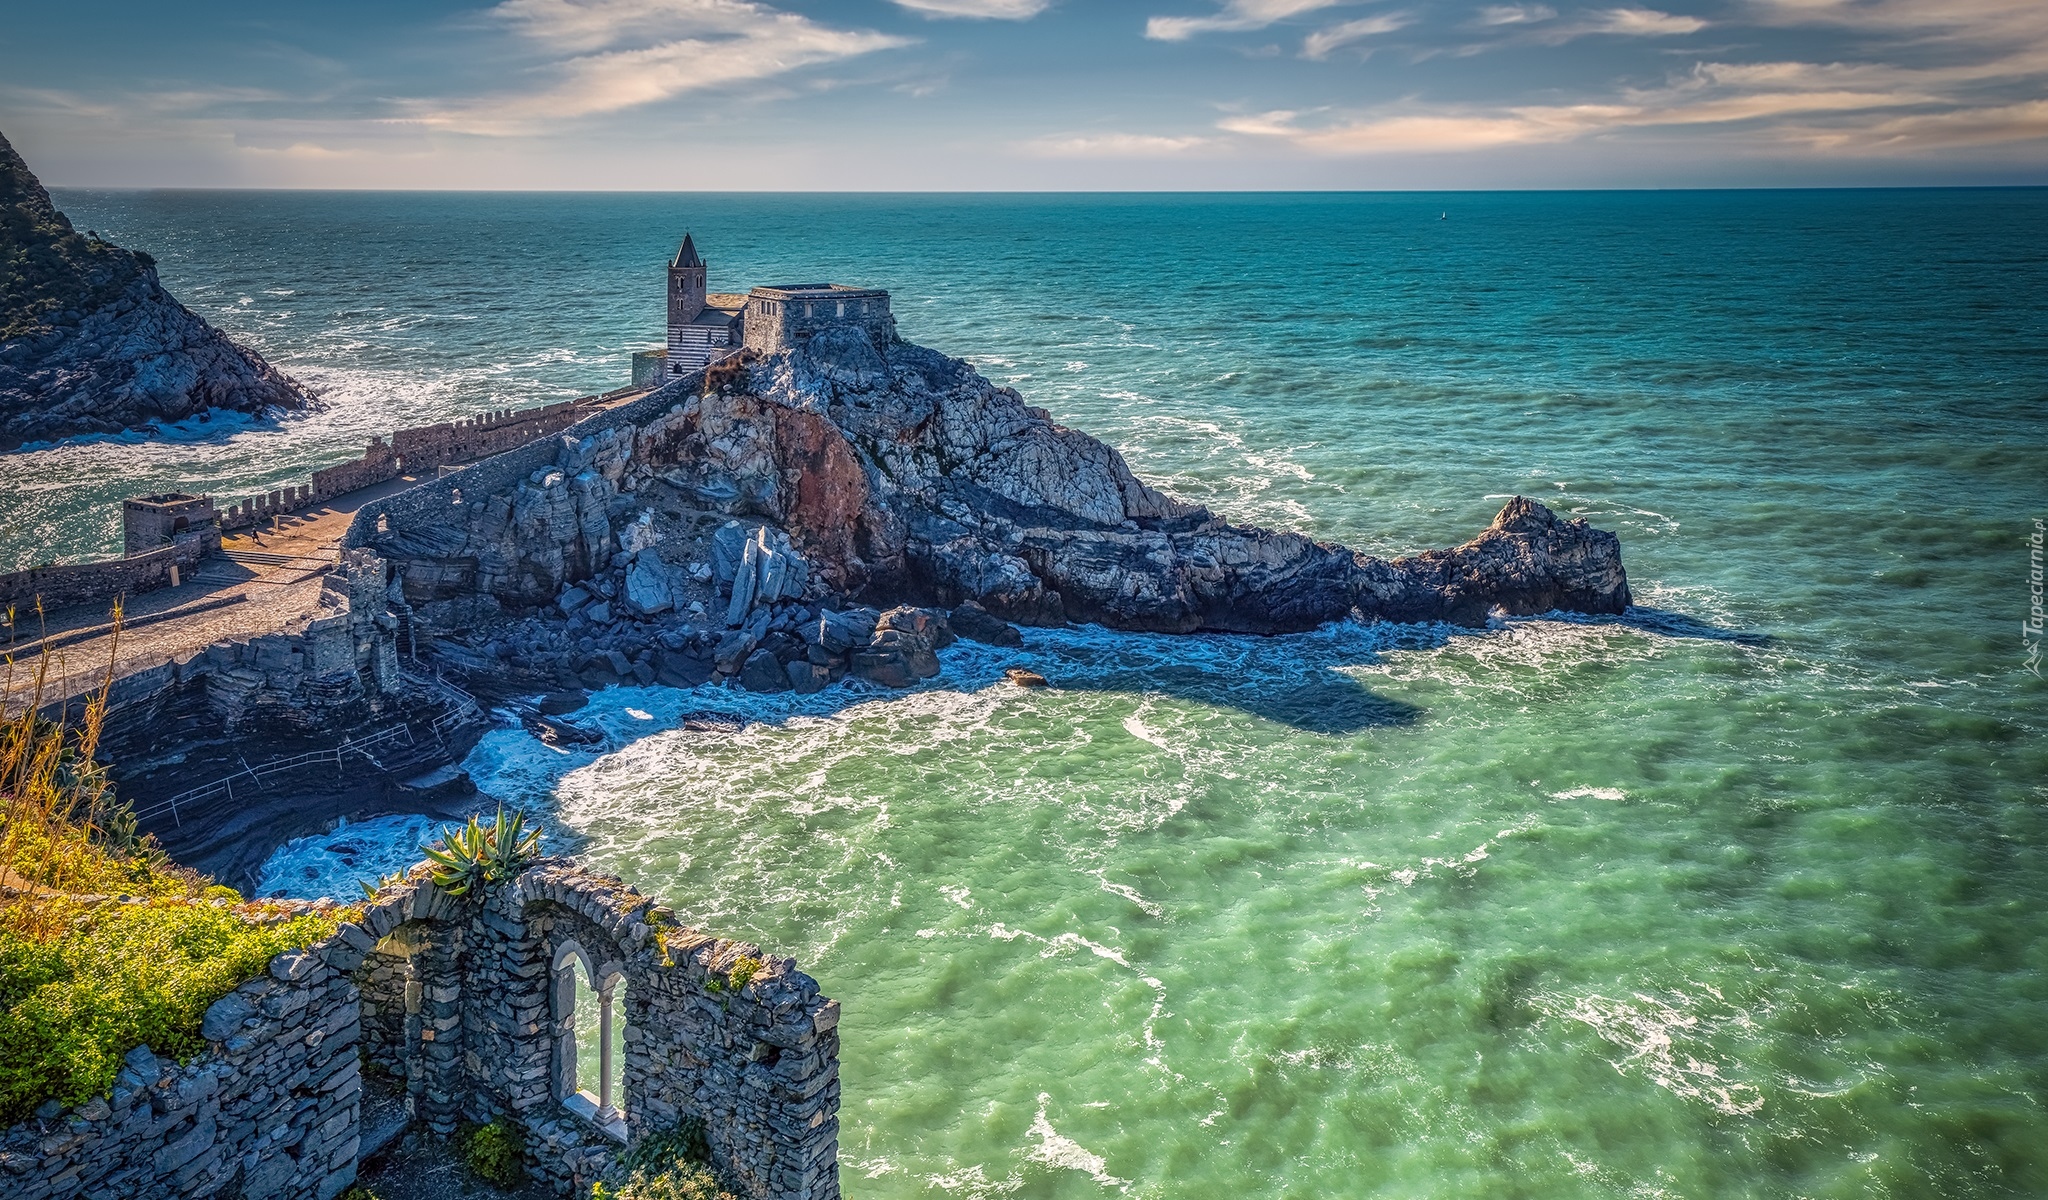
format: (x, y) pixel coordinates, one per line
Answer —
(686, 285)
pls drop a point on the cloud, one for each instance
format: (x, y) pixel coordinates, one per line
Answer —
(1516, 14)
(1236, 16)
(632, 53)
(1641, 22)
(996, 10)
(1319, 44)
(1113, 145)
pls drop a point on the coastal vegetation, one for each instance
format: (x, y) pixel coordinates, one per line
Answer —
(47, 268)
(671, 1165)
(478, 855)
(105, 944)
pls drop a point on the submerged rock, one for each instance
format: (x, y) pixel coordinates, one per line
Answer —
(90, 342)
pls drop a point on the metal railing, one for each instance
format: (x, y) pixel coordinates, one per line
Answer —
(256, 774)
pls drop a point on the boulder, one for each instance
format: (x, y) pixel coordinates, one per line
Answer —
(1025, 679)
(840, 632)
(732, 651)
(973, 622)
(647, 585)
(764, 673)
(896, 658)
(927, 623)
(808, 678)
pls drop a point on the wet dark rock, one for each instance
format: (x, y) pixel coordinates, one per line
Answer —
(973, 622)
(763, 672)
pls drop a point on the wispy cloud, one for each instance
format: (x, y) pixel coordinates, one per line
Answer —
(1515, 14)
(1236, 16)
(986, 10)
(1641, 22)
(1113, 145)
(629, 53)
(1319, 44)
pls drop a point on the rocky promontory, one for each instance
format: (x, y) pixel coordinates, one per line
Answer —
(815, 513)
(90, 342)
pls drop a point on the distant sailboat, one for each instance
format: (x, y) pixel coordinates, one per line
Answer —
(1443, 216)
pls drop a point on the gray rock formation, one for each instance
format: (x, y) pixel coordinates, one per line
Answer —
(90, 342)
(837, 471)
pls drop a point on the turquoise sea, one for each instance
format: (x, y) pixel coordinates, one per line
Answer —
(1742, 895)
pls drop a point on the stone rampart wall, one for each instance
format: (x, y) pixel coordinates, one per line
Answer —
(271, 1109)
(413, 451)
(430, 501)
(66, 584)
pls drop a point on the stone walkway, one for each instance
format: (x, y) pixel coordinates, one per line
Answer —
(265, 579)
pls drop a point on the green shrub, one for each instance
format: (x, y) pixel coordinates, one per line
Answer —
(469, 858)
(664, 1166)
(494, 1153)
(743, 970)
(125, 975)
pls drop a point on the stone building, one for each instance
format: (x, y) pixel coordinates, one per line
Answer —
(706, 326)
(790, 314)
(149, 522)
(703, 326)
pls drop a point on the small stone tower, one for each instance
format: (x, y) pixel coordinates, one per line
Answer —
(703, 327)
(687, 283)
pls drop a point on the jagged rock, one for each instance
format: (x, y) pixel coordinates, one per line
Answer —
(90, 342)
(1025, 679)
(926, 623)
(733, 650)
(917, 481)
(763, 673)
(678, 669)
(972, 621)
(647, 585)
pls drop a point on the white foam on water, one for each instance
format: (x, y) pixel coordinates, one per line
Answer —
(1057, 1150)
(332, 864)
(1590, 793)
(1669, 1038)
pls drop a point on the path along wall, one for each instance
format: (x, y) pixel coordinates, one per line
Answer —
(468, 1003)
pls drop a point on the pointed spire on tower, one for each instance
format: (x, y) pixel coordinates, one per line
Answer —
(687, 256)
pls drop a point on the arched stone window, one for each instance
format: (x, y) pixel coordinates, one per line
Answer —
(590, 1033)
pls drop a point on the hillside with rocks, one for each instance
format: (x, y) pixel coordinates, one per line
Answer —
(90, 342)
(756, 528)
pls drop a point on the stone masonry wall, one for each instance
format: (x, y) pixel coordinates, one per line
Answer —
(66, 584)
(271, 1109)
(758, 1065)
(414, 451)
(457, 996)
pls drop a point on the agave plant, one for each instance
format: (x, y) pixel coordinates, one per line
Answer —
(478, 854)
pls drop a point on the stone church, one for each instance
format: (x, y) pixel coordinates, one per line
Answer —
(705, 326)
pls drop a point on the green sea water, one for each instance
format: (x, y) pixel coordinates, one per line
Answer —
(1741, 894)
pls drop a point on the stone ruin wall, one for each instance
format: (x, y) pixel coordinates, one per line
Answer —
(271, 1109)
(456, 1000)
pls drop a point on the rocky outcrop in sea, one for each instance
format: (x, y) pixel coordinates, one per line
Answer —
(90, 342)
(842, 509)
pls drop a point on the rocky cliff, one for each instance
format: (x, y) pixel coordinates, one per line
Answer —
(796, 488)
(90, 342)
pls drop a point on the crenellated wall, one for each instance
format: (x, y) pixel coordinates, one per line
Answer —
(462, 1000)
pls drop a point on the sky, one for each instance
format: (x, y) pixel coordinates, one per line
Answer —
(970, 95)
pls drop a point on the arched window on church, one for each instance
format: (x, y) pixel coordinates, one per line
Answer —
(590, 1039)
